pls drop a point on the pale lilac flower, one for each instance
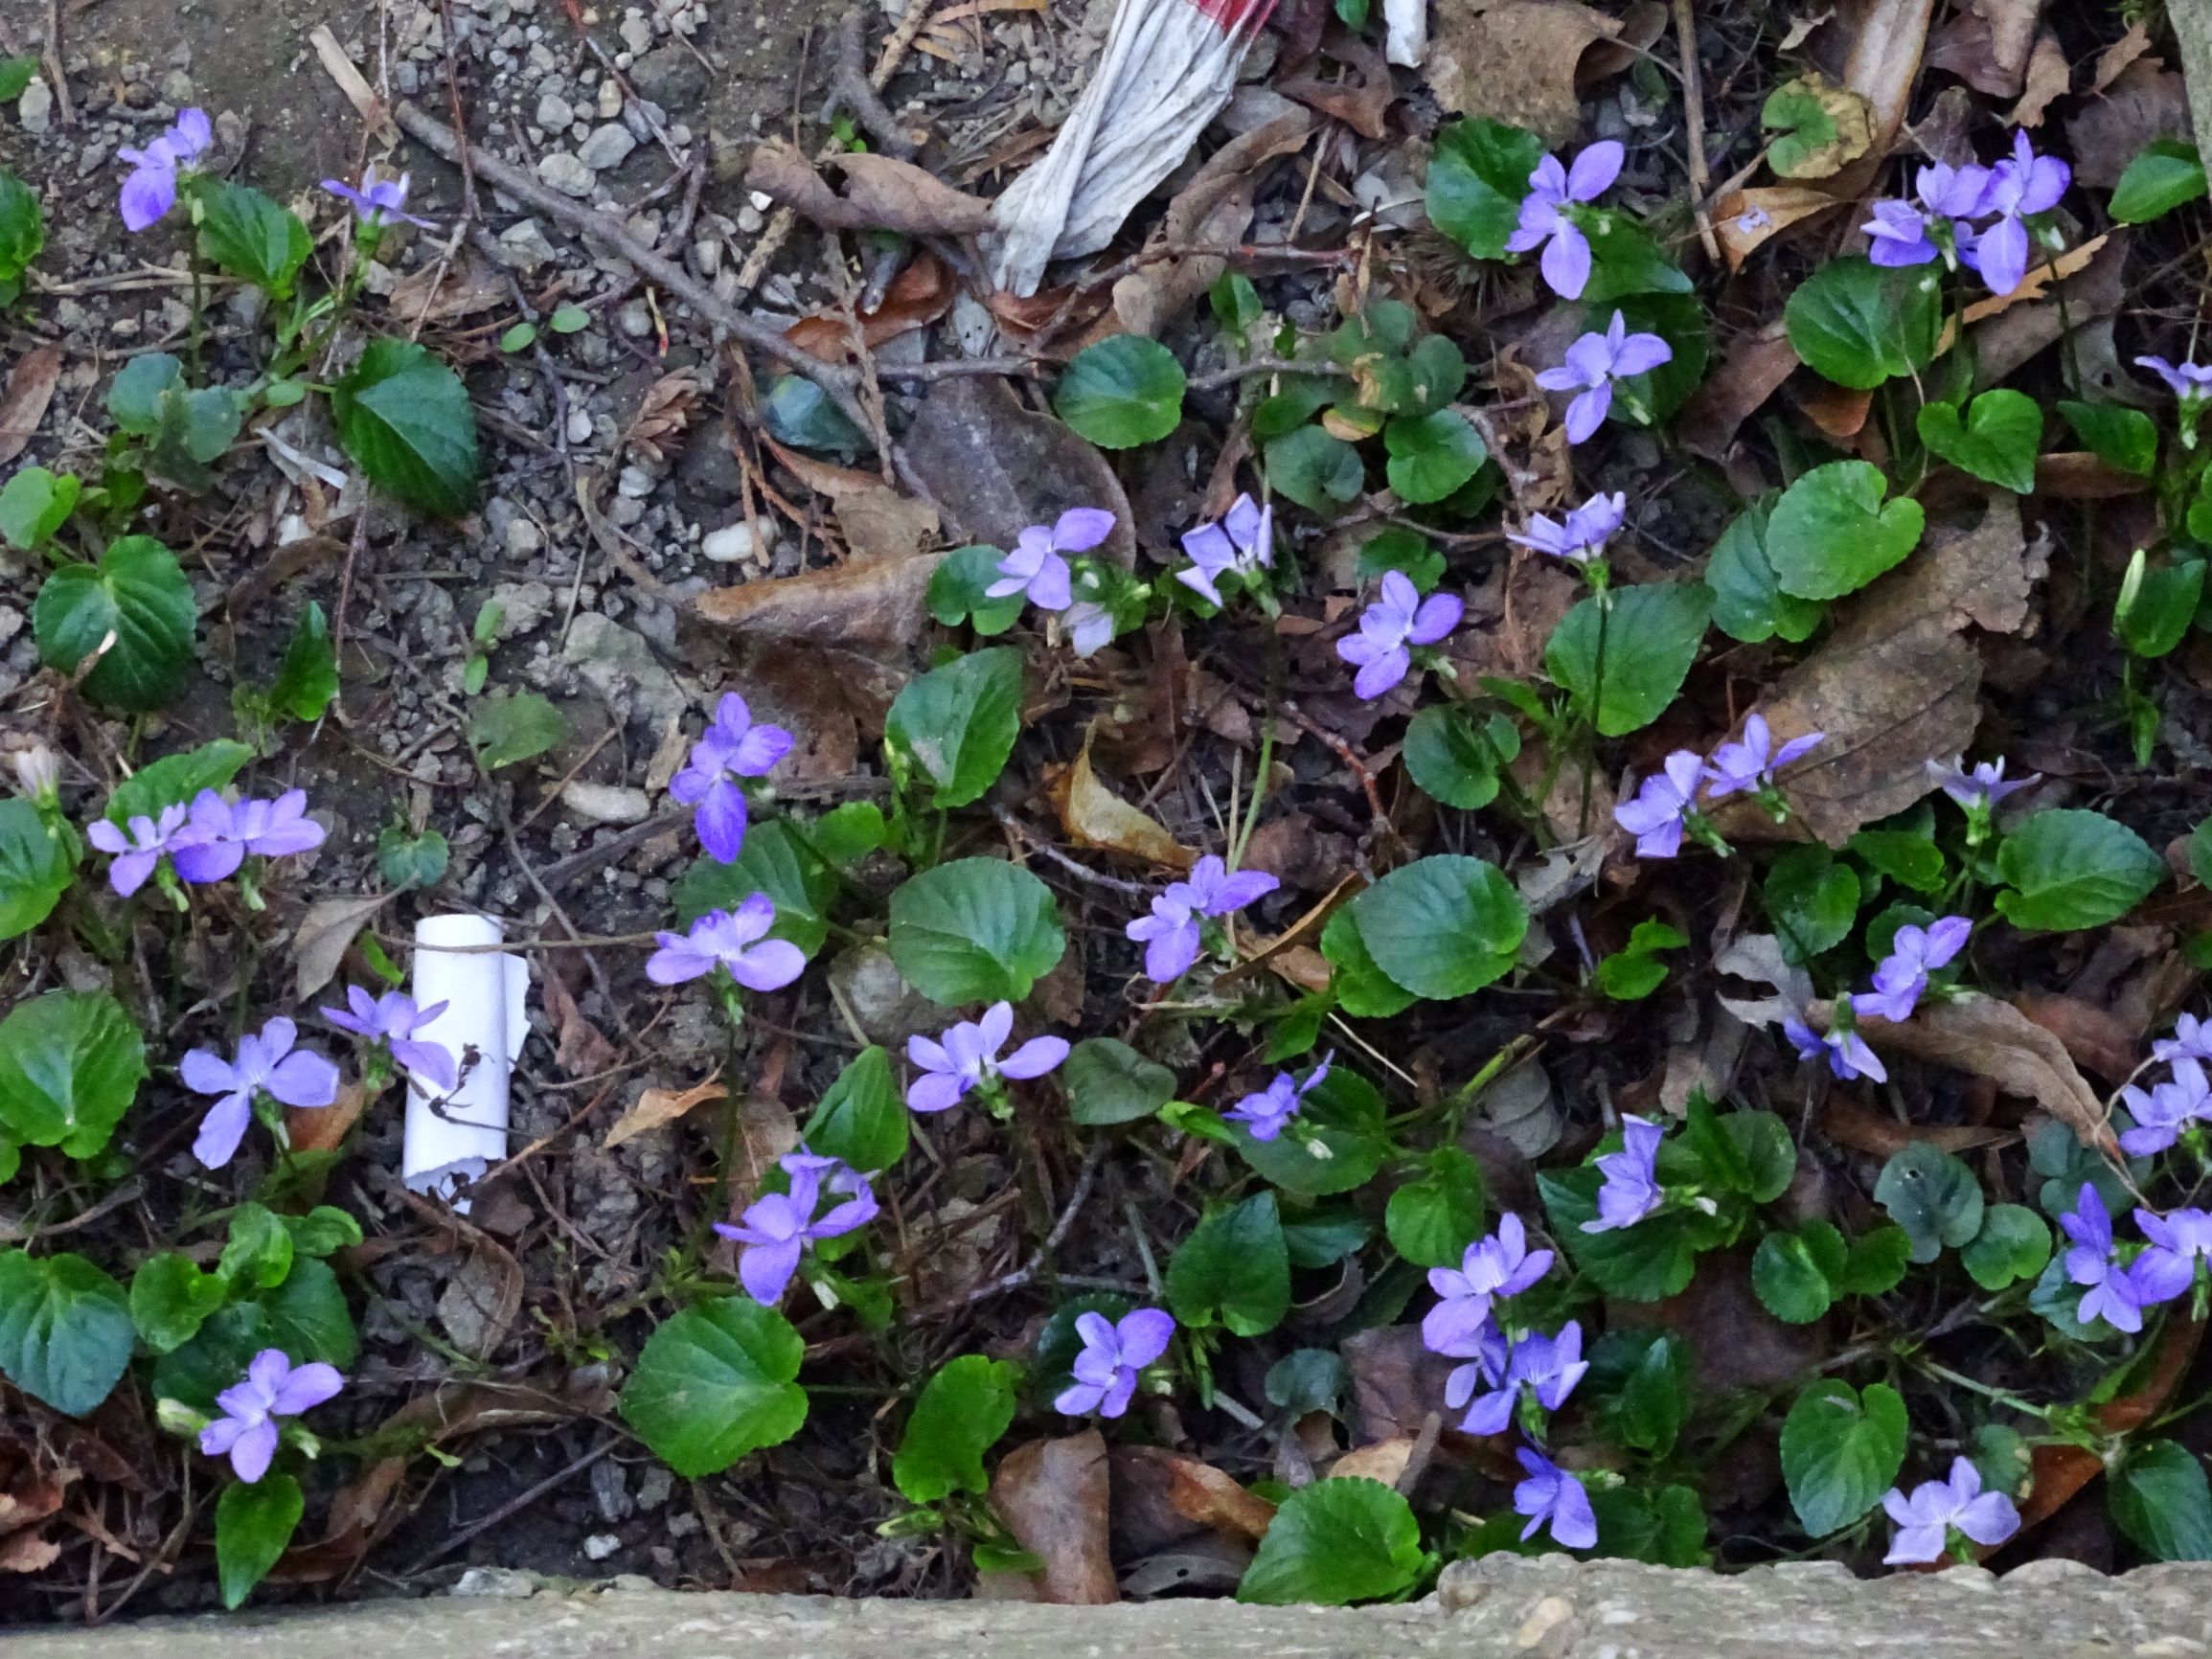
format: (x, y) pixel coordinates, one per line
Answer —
(1583, 537)
(266, 1063)
(392, 1020)
(1544, 223)
(1981, 786)
(777, 1227)
(1899, 232)
(1171, 933)
(2162, 1113)
(2021, 184)
(1925, 1519)
(1091, 627)
(2192, 1039)
(1631, 1188)
(1113, 1354)
(219, 836)
(1594, 364)
(731, 749)
(1036, 566)
(1551, 1496)
(1662, 805)
(737, 942)
(1902, 975)
(1488, 1359)
(1267, 1111)
(2112, 1293)
(1545, 1368)
(1496, 1266)
(1751, 765)
(966, 1056)
(137, 849)
(379, 202)
(2179, 1240)
(272, 1387)
(2191, 382)
(1400, 618)
(151, 191)
(39, 775)
(1845, 1050)
(1242, 544)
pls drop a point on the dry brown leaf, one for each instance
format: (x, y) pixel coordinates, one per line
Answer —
(2095, 1038)
(2002, 343)
(917, 297)
(1735, 1343)
(482, 1298)
(2112, 62)
(2144, 101)
(1840, 411)
(873, 606)
(1745, 219)
(657, 1108)
(2048, 76)
(1052, 1495)
(1876, 1134)
(881, 194)
(325, 934)
(1801, 28)
(1987, 1039)
(24, 401)
(1986, 44)
(2035, 286)
(663, 415)
(1362, 105)
(2077, 475)
(1148, 1480)
(580, 1050)
(878, 521)
(1882, 66)
(1396, 1381)
(325, 1129)
(1514, 60)
(1753, 369)
(439, 294)
(1385, 1461)
(1095, 817)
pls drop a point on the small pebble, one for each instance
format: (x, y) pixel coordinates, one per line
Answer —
(566, 174)
(601, 1545)
(740, 543)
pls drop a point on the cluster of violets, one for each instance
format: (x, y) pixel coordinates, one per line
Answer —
(1900, 980)
(1666, 804)
(2177, 1109)
(1939, 222)
(151, 191)
(777, 1227)
(2119, 1281)
(206, 841)
(1174, 933)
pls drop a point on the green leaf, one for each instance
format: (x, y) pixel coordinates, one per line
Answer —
(974, 930)
(799, 413)
(962, 1412)
(570, 319)
(1860, 324)
(1934, 1196)
(1108, 1081)
(1455, 758)
(323, 1230)
(716, 1382)
(958, 723)
(406, 418)
(1831, 532)
(1432, 455)
(1649, 640)
(252, 236)
(511, 729)
(174, 780)
(1877, 1264)
(1402, 550)
(2012, 1246)
(1840, 1451)
(518, 338)
(22, 232)
(1748, 603)
(1651, 1259)
(2127, 439)
(1317, 471)
(1431, 1221)
(65, 1330)
(2167, 174)
(1302, 397)
(1907, 856)
(2156, 604)
(306, 680)
(773, 860)
(258, 1255)
(136, 593)
(1476, 179)
(1439, 371)
(1764, 1158)
(1333, 1543)
(1122, 391)
(1795, 1274)
(1443, 927)
(862, 1118)
(253, 1525)
(170, 1300)
(1819, 126)
(1812, 899)
(410, 862)
(1362, 990)
(956, 592)
(70, 1065)
(1997, 442)
(1633, 972)
(1649, 1402)
(1236, 303)
(2160, 1498)
(34, 504)
(308, 1318)
(1234, 1270)
(138, 389)
(1625, 263)
(2065, 870)
(37, 862)
(17, 75)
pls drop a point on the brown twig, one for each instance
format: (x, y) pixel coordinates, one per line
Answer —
(53, 56)
(1694, 123)
(852, 89)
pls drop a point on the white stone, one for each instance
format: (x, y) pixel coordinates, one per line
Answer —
(608, 145)
(606, 802)
(740, 542)
(34, 109)
(555, 112)
(580, 426)
(566, 174)
(601, 1545)
(524, 539)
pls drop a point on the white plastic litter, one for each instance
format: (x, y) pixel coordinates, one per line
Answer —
(1407, 22)
(484, 993)
(1169, 67)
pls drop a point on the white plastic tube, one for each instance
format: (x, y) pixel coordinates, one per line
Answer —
(1407, 24)
(484, 992)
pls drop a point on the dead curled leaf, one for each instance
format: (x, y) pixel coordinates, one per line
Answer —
(1986, 44)
(917, 297)
(1162, 1496)
(1745, 218)
(441, 293)
(1052, 1495)
(24, 401)
(1515, 61)
(1882, 66)
(657, 1107)
(878, 521)
(858, 605)
(1095, 817)
(325, 934)
(881, 194)
(1848, 1123)
(324, 1129)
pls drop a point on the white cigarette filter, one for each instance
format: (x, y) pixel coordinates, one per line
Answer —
(464, 1134)
(1168, 68)
(1406, 23)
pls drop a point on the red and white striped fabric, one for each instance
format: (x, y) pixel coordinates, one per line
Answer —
(1168, 68)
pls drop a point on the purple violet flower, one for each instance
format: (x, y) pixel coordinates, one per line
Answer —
(1662, 805)
(1496, 1266)
(137, 850)
(1552, 1497)
(1902, 976)
(2179, 1240)
(271, 1388)
(1488, 1360)
(1037, 567)
(966, 1056)
(1171, 933)
(1547, 1368)
(777, 1227)
(266, 1063)
(1631, 1188)
(219, 836)
(151, 191)
(1982, 786)
(1594, 364)
(1266, 1112)
(737, 941)
(2111, 1294)
(1544, 223)
(390, 1021)
(1581, 538)
(730, 749)
(1091, 627)
(2191, 382)
(1925, 1519)
(2192, 1039)
(1751, 765)
(2021, 184)
(1242, 544)
(2162, 1113)
(1845, 1050)
(1399, 619)
(379, 202)
(1113, 1354)
(1899, 232)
